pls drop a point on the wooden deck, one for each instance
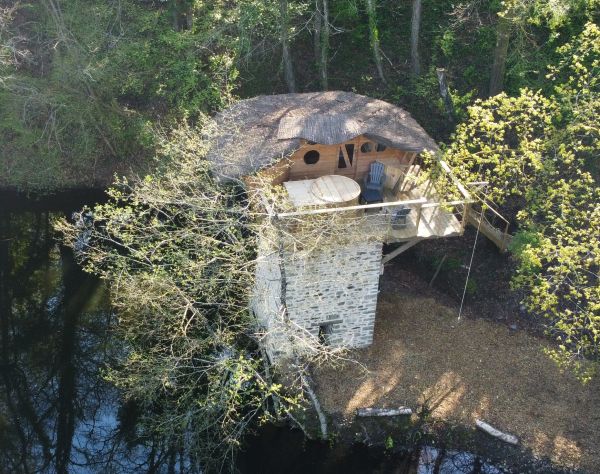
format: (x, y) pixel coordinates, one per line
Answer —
(434, 222)
(427, 218)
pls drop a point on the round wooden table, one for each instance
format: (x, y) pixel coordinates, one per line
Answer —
(334, 189)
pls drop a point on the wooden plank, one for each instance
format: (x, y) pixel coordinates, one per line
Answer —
(456, 182)
(345, 156)
(335, 189)
(499, 238)
(299, 192)
(351, 208)
(345, 192)
(329, 157)
(496, 433)
(400, 250)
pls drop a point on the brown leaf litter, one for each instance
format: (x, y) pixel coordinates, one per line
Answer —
(469, 369)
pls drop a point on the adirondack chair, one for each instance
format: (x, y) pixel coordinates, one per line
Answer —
(373, 184)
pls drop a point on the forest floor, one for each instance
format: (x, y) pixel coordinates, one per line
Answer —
(423, 355)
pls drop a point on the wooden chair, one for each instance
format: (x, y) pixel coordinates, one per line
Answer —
(373, 184)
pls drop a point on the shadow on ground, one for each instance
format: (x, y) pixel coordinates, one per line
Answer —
(463, 370)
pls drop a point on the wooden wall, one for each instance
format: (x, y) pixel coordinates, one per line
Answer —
(329, 158)
(294, 168)
(276, 174)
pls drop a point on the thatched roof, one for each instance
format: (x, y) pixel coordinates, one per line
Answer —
(257, 132)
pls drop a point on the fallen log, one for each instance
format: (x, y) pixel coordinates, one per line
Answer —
(489, 429)
(307, 384)
(383, 411)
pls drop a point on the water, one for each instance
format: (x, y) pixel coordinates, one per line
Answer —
(57, 413)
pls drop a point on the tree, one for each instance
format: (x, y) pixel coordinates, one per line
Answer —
(415, 26)
(77, 96)
(502, 142)
(178, 250)
(539, 155)
(374, 38)
(288, 68)
(503, 30)
(559, 250)
(559, 263)
(518, 26)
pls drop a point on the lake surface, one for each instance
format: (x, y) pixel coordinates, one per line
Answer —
(58, 414)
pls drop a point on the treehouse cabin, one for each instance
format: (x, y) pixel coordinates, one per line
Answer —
(331, 157)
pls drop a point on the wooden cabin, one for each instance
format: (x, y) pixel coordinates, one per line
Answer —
(318, 148)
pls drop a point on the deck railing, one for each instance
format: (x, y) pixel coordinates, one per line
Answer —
(489, 220)
(382, 223)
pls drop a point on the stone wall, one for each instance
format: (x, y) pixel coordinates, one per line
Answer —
(332, 292)
(266, 303)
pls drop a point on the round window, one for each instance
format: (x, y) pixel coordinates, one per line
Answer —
(311, 157)
(381, 147)
(366, 147)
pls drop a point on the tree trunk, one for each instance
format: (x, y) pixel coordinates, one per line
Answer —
(324, 44)
(189, 17)
(307, 383)
(415, 27)
(318, 21)
(500, 53)
(445, 94)
(288, 70)
(175, 14)
(374, 38)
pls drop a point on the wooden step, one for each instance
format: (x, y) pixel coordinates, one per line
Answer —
(500, 239)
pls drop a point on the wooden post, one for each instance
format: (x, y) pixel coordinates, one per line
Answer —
(418, 220)
(400, 250)
(437, 271)
(496, 433)
(463, 223)
(383, 411)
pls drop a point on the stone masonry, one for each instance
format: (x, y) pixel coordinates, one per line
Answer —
(329, 293)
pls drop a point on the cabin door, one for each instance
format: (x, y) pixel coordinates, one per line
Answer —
(346, 165)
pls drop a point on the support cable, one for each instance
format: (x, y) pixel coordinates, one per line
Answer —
(462, 300)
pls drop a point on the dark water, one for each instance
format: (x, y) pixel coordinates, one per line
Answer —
(58, 414)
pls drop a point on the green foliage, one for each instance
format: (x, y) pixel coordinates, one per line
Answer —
(79, 87)
(177, 249)
(471, 286)
(502, 142)
(77, 96)
(521, 245)
(541, 152)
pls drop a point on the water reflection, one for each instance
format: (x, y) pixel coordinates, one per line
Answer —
(57, 414)
(440, 461)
